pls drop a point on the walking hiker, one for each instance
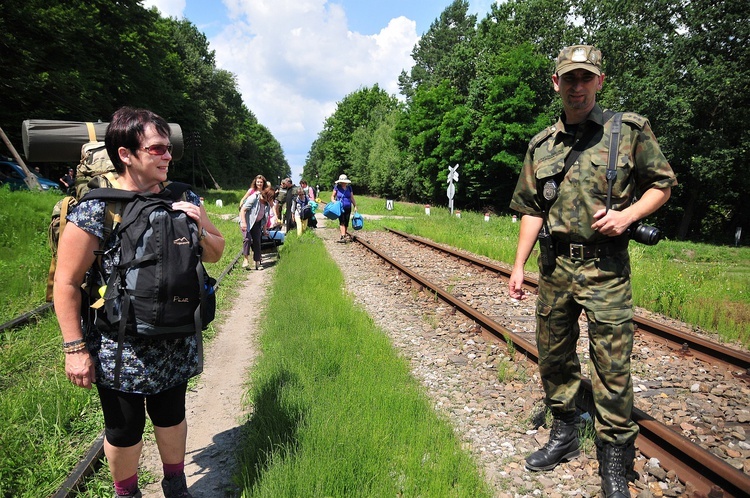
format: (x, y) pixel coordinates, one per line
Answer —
(253, 210)
(562, 195)
(154, 370)
(342, 191)
(301, 210)
(253, 216)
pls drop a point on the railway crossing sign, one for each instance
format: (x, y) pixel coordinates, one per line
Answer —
(452, 177)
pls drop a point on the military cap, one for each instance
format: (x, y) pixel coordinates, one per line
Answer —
(579, 57)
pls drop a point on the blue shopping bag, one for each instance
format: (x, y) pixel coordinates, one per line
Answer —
(332, 211)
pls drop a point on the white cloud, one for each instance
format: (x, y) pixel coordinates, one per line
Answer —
(168, 8)
(295, 59)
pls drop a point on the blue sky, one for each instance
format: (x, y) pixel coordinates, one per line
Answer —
(295, 59)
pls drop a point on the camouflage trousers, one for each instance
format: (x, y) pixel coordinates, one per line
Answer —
(601, 288)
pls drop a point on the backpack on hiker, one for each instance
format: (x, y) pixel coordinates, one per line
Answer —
(95, 170)
(158, 287)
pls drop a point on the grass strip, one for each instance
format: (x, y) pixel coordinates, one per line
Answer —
(335, 410)
(46, 423)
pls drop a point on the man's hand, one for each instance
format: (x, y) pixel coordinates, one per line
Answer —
(515, 284)
(611, 223)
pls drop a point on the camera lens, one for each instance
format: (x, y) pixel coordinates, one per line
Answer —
(645, 234)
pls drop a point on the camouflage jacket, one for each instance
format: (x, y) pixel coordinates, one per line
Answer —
(583, 191)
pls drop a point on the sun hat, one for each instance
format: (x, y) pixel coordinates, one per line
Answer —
(579, 57)
(343, 179)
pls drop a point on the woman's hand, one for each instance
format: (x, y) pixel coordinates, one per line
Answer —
(79, 368)
(190, 209)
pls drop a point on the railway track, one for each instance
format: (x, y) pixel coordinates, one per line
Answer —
(707, 474)
(677, 340)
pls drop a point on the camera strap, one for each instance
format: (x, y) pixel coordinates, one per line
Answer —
(614, 149)
(578, 148)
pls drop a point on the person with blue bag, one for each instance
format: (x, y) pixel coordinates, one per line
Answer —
(342, 192)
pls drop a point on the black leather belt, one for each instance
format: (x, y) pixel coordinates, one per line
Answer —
(591, 251)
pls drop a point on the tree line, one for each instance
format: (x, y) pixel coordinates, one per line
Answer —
(479, 90)
(81, 60)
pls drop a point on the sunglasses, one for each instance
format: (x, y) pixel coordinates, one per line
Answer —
(158, 149)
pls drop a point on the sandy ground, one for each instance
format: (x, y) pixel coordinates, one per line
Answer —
(215, 409)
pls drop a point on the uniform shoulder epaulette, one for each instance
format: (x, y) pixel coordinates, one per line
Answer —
(542, 136)
(634, 118)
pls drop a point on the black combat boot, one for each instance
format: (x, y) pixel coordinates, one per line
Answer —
(562, 445)
(615, 467)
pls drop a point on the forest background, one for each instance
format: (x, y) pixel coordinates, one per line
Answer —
(478, 91)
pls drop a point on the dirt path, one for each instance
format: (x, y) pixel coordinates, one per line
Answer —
(215, 407)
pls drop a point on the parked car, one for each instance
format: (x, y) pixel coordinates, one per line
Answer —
(12, 174)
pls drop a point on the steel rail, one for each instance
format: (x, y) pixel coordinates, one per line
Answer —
(692, 464)
(682, 342)
(26, 317)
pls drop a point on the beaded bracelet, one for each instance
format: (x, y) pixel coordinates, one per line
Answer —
(79, 346)
(74, 349)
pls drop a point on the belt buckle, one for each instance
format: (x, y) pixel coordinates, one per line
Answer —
(576, 252)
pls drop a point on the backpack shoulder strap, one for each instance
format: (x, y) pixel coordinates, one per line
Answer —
(109, 194)
(176, 190)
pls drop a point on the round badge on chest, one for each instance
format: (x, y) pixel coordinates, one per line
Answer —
(549, 192)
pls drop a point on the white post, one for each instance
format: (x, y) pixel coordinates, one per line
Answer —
(452, 177)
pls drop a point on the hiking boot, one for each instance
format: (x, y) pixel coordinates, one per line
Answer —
(615, 466)
(176, 487)
(562, 445)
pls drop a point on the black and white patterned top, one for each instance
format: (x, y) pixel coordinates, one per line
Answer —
(149, 365)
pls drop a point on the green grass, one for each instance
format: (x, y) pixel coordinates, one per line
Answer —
(47, 424)
(24, 252)
(707, 286)
(335, 410)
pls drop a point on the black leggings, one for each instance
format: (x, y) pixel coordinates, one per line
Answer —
(125, 413)
(256, 232)
(344, 218)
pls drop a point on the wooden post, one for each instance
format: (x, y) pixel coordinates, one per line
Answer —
(30, 179)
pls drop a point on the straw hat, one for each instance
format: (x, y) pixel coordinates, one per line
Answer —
(343, 179)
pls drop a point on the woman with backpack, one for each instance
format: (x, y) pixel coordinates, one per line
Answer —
(301, 209)
(342, 191)
(253, 215)
(132, 372)
(252, 212)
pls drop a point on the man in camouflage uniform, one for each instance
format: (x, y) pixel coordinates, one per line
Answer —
(589, 268)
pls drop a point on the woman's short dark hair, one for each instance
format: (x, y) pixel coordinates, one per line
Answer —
(126, 129)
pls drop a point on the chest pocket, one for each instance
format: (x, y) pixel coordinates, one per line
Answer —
(546, 168)
(549, 167)
(622, 186)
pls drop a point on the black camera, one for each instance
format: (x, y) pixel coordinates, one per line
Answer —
(644, 234)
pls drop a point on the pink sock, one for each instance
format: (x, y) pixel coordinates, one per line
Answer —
(127, 486)
(174, 469)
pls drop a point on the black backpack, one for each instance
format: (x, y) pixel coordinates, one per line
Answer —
(160, 288)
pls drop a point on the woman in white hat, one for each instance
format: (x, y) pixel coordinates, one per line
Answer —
(342, 191)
